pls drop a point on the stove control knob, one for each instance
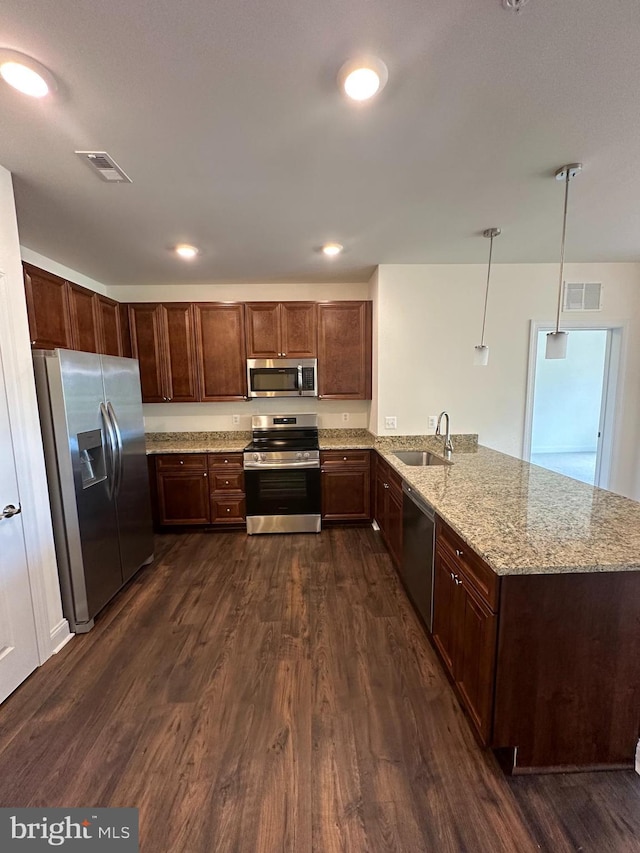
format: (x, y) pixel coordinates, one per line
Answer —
(256, 457)
(263, 457)
(299, 455)
(306, 455)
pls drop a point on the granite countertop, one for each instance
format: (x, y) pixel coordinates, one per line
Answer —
(520, 518)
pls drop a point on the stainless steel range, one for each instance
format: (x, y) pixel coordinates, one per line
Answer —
(282, 475)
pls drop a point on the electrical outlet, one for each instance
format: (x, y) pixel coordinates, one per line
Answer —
(433, 421)
(391, 422)
(235, 419)
(345, 417)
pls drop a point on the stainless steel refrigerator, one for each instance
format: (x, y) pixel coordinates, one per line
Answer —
(93, 433)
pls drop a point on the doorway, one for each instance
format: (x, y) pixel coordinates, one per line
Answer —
(569, 404)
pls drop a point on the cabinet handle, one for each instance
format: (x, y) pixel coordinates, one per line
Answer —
(228, 509)
(459, 552)
(344, 458)
(226, 482)
(205, 474)
(386, 485)
(181, 462)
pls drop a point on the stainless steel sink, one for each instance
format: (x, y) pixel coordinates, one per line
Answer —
(419, 457)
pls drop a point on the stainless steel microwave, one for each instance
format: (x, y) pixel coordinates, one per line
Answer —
(282, 377)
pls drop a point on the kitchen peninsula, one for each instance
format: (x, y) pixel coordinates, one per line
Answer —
(537, 597)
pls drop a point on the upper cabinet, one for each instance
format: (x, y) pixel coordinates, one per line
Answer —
(83, 318)
(107, 320)
(344, 350)
(220, 346)
(47, 308)
(163, 341)
(281, 329)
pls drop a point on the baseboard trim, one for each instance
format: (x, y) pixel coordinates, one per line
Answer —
(60, 636)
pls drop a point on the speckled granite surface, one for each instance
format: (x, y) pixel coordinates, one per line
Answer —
(520, 518)
(523, 519)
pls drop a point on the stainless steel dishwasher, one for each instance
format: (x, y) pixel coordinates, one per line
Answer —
(418, 532)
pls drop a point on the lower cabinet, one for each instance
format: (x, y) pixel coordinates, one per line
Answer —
(182, 486)
(465, 625)
(388, 507)
(346, 485)
(199, 489)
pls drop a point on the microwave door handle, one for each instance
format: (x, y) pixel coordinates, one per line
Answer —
(300, 380)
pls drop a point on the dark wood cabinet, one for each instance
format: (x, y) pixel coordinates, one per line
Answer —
(163, 341)
(388, 507)
(84, 334)
(346, 485)
(220, 346)
(107, 319)
(182, 489)
(465, 625)
(226, 481)
(47, 309)
(344, 350)
(198, 489)
(281, 329)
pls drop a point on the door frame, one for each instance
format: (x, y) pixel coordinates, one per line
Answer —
(29, 461)
(613, 374)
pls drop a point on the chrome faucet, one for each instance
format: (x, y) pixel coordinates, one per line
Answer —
(448, 446)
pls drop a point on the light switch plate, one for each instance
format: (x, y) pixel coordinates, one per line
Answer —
(345, 417)
(433, 421)
(235, 419)
(391, 422)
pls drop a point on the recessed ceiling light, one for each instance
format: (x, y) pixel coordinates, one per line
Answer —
(185, 251)
(361, 79)
(332, 249)
(25, 74)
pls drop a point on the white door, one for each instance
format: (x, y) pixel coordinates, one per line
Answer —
(18, 647)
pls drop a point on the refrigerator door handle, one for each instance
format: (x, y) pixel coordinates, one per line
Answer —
(118, 435)
(111, 441)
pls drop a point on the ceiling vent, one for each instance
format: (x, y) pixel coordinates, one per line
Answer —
(105, 166)
(582, 296)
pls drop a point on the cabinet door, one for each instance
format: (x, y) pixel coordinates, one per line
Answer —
(107, 317)
(475, 663)
(47, 309)
(148, 344)
(180, 348)
(394, 525)
(264, 338)
(446, 595)
(220, 347)
(344, 350)
(380, 492)
(345, 494)
(183, 498)
(299, 326)
(83, 321)
(125, 330)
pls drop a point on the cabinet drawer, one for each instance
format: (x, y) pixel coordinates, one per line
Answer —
(342, 458)
(227, 510)
(477, 572)
(181, 462)
(226, 481)
(226, 461)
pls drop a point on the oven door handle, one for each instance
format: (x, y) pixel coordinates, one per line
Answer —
(279, 466)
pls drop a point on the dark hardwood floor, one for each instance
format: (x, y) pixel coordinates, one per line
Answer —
(277, 693)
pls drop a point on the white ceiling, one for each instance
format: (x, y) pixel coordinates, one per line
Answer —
(226, 115)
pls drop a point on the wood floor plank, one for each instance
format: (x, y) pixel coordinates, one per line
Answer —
(278, 693)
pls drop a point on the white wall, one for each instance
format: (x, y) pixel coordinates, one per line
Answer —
(429, 318)
(52, 628)
(568, 395)
(184, 417)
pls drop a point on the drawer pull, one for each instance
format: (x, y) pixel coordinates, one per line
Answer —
(344, 458)
(182, 462)
(205, 474)
(226, 482)
(459, 553)
(228, 509)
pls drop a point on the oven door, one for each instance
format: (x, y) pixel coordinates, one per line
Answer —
(283, 500)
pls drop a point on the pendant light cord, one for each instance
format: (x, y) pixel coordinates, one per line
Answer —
(564, 232)
(486, 295)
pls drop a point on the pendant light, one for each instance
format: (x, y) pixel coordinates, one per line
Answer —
(481, 355)
(557, 341)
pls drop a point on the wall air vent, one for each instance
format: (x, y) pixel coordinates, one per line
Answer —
(105, 166)
(582, 296)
